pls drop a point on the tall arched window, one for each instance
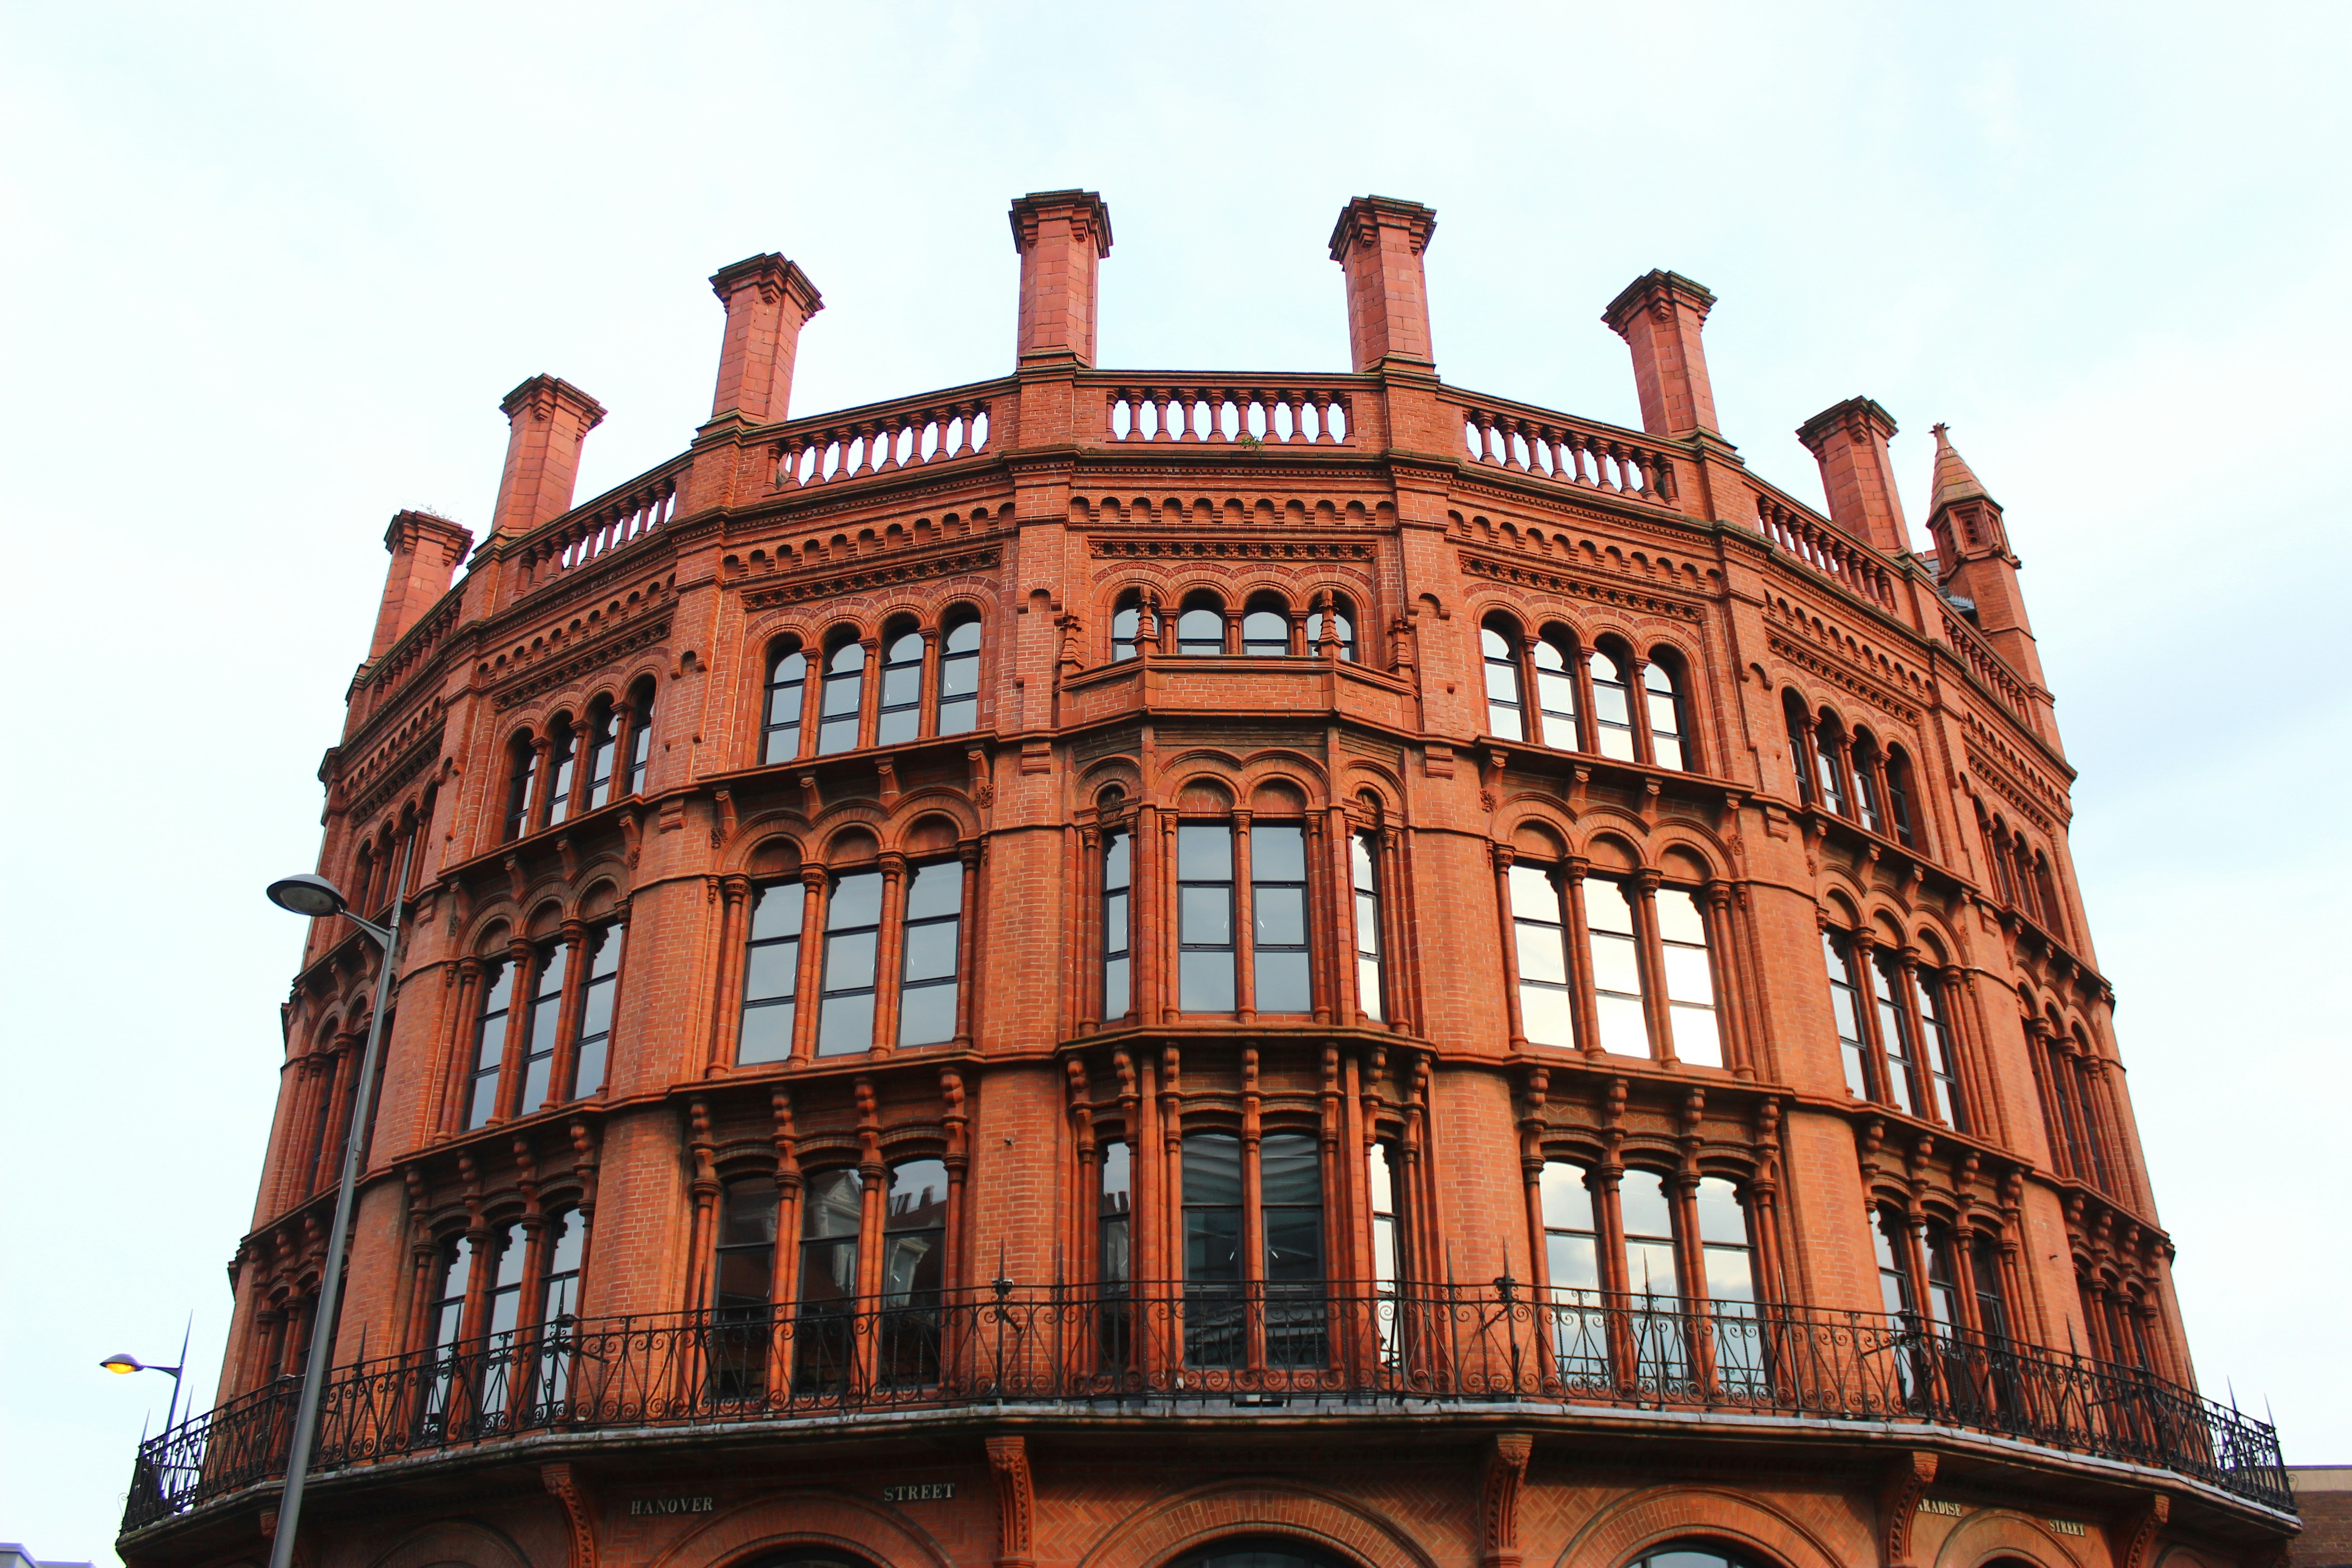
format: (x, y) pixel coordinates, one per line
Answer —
(1278, 918)
(1689, 976)
(1114, 1241)
(1829, 765)
(830, 1213)
(1898, 795)
(589, 1058)
(1218, 1269)
(444, 1323)
(1363, 859)
(1869, 766)
(1204, 937)
(1555, 693)
(1845, 1011)
(1580, 1328)
(1505, 705)
(1800, 748)
(959, 674)
(931, 941)
(772, 969)
(845, 691)
(1663, 705)
(1265, 629)
(603, 748)
(1612, 705)
(1126, 626)
(914, 1258)
(1894, 1034)
(1935, 1040)
(489, 1046)
(1539, 930)
(522, 773)
(499, 1366)
(1119, 997)
(541, 1025)
(1614, 943)
(787, 686)
(742, 1294)
(900, 717)
(562, 748)
(1200, 629)
(852, 927)
(641, 735)
(558, 1306)
(1728, 1271)
(1343, 631)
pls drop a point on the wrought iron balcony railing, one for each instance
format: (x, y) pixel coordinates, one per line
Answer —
(1150, 1345)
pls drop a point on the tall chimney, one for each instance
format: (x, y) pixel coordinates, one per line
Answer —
(1659, 315)
(1062, 237)
(426, 550)
(768, 300)
(1849, 441)
(1378, 241)
(547, 419)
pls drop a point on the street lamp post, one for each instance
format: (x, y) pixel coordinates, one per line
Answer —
(126, 1363)
(317, 897)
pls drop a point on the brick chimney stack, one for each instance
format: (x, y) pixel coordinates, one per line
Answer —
(1062, 237)
(1849, 441)
(768, 300)
(547, 419)
(1660, 315)
(426, 550)
(1379, 241)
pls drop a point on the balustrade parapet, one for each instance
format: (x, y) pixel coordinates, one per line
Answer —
(886, 438)
(1246, 410)
(622, 515)
(1585, 454)
(1176, 1342)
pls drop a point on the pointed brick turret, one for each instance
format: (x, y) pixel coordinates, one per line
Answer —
(1973, 562)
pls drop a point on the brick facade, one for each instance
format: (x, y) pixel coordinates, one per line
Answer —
(1556, 769)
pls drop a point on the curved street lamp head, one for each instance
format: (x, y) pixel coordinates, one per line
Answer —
(123, 1363)
(307, 895)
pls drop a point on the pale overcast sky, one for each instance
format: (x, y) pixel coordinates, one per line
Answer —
(266, 272)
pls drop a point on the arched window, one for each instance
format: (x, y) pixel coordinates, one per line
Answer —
(1615, 948)
(1829, 765)
(1898, 795)
(1265, 629)
(853, 928)
(1119, 997)
(558, 1306)
(1343, 631)
(1664, 702)
(1278, 917)
(1555, 693)
(787, 685)
(1800, 748)
(1893, 1034)
(771, 968)
(901, 716)
(589, 1057)
(1888, 1238)
(831, 1212)
(2046, 885)
(522, 773)
(1868, 767)
(1689, 976)
(1288, 1267)
(1610, 965)
(1845, 1011)
(1726, 1270)
(641, 734)
(1200, 629)
(1943, 1293)
(1204, 936)
(1126, 626)
(1935, 1040)
(562, 747)
(602, 748)
(541, 1025)
(1539, 930)
(1580, 1328)
(505, 1316)
(1505, 705)
(489, 1045)
(845, 691)
(1612, 708)
(932, 939)
(959, 674)
(914, 1239)
(1649, 1220)
(743, 1290)
(1689, 1554)
(445, 1324)
(1364, 865)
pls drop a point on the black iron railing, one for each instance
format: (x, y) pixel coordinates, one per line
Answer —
(1152, 1346)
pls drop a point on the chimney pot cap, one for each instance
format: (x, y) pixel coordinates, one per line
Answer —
(1027, 210)
(1652, 285)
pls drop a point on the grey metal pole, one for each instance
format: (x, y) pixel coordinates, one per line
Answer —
(330, 1283)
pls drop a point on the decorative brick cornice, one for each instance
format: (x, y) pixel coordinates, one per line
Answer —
(1811, 661)
(395, 774)
(868, 579)
(1199, 548)
(1515, 574)
(604, 650)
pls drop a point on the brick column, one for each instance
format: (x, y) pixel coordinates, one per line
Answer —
(1849, 441)
(426, 553)
(1660, 315)
(547, 419)
(1378, 242)
(1062, 237)
(768, 300)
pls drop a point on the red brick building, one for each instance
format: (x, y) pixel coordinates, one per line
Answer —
(1109, 968)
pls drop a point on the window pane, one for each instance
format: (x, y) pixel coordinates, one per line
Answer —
(1282, 983)
(1118, 998)
(1720, 1216)
(1614, 967)
(1277, 854)
(1208, 915)
(1279, 915)
(931, 952)
(767, 1033)
(1532, 895)
(927, 1015)
(1201, 632)
(849, 960)
(834, 1202)
(846, 1026)
(1204, 853)
(1623, 1027)
(1213, 1170)
(1206, 982)
(1566, 1200)
(771, 970)
(1290, 1170)
(936, 889)
(1546, 1016)
(1606, 907)
(1541, 956)
(1686, 976)
(1643, 1205)
(856, 901)
(1697, 1040)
